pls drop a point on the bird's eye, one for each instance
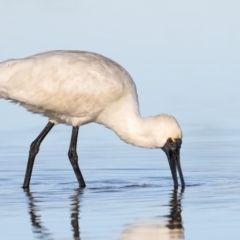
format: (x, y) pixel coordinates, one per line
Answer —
(171, 140)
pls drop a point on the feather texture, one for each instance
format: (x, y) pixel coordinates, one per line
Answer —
(75, 88)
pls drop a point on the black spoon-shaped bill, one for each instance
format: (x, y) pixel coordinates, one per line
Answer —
(172, 150)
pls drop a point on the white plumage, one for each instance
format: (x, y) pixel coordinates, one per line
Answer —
(75, 88)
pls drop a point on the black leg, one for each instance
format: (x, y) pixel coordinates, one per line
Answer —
(73, 157)
(34, 148)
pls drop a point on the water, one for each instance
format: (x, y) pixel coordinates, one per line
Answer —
(184, 57)
(129, 193)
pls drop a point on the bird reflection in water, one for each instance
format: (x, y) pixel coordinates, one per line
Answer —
(39, 230)
(75, 213)
(172, 229)
(175, 224)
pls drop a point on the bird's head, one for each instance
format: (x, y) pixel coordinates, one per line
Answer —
(169, 139)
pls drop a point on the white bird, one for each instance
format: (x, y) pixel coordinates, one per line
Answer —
(76, 88)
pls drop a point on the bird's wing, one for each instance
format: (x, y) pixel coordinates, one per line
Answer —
(63, 87)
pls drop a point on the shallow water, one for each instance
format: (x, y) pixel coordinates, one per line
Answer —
(129, 193)
(184, 57)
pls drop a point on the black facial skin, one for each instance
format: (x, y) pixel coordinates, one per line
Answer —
(172, 150)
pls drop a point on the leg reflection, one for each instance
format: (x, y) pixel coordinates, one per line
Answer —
(75, 213)
(39, 230)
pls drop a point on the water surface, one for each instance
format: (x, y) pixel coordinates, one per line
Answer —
(129, 193)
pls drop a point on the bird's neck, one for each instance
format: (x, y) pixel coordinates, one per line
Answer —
(133, 129)
(137, 131)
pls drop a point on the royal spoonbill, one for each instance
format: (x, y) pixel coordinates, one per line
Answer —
(76, 88)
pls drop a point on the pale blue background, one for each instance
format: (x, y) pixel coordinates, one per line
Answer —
(184, 57)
